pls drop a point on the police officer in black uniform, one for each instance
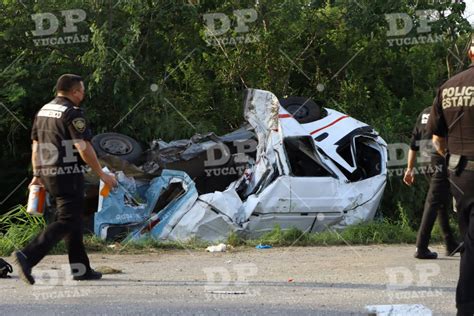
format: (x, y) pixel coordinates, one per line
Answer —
(452, 125)
(438, 199)
(61, 149)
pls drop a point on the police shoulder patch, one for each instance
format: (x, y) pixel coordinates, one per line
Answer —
(79, 124)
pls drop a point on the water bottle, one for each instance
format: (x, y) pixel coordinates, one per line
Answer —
(36, 200)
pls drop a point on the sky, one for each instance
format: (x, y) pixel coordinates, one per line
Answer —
(469, 13)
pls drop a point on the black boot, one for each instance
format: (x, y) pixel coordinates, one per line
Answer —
(425, 253)
(454, 248)
(25, 268)
(89, 275)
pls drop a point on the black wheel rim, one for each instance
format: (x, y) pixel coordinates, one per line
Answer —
(116, 146)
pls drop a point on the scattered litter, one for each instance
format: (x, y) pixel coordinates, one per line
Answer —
(398, 310)
(228, 261)
(290, 279)
(219, 248)
(263, 246)
(108, 270)
(228, 292)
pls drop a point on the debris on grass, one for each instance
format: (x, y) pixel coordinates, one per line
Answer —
(218, 248)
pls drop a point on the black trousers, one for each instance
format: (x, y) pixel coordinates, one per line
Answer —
(437, 204)
(462, 189)
(68, 226)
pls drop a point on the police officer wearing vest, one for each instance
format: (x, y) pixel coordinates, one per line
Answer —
(60, 151)
(452, 125)
(438, 199)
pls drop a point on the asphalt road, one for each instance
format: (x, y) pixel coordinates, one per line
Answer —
(278, 281)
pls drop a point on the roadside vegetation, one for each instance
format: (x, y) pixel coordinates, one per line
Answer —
(337, 52)
(18, 228)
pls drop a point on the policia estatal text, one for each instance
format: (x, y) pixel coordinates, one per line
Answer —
(452, 125)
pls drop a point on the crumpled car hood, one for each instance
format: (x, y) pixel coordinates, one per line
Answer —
(328, 173)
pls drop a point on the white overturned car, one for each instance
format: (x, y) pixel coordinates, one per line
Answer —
(310, 175)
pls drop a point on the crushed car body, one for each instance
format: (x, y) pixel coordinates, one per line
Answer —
(330, 172)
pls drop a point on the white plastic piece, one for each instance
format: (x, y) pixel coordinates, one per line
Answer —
(218, 248)
(399, 310)
(101, 187)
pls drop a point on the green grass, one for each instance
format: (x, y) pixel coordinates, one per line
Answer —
(374, 232)
(383, 232)
(20, 228)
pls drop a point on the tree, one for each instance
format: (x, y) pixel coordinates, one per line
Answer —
(154, 69)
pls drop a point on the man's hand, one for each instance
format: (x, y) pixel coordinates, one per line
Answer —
(35, 181)
(409, 177)
(109, 179)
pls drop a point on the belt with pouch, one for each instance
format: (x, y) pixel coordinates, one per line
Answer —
(455, 162)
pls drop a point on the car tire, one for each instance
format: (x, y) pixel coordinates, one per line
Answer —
(118, 145)
(304, 110)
